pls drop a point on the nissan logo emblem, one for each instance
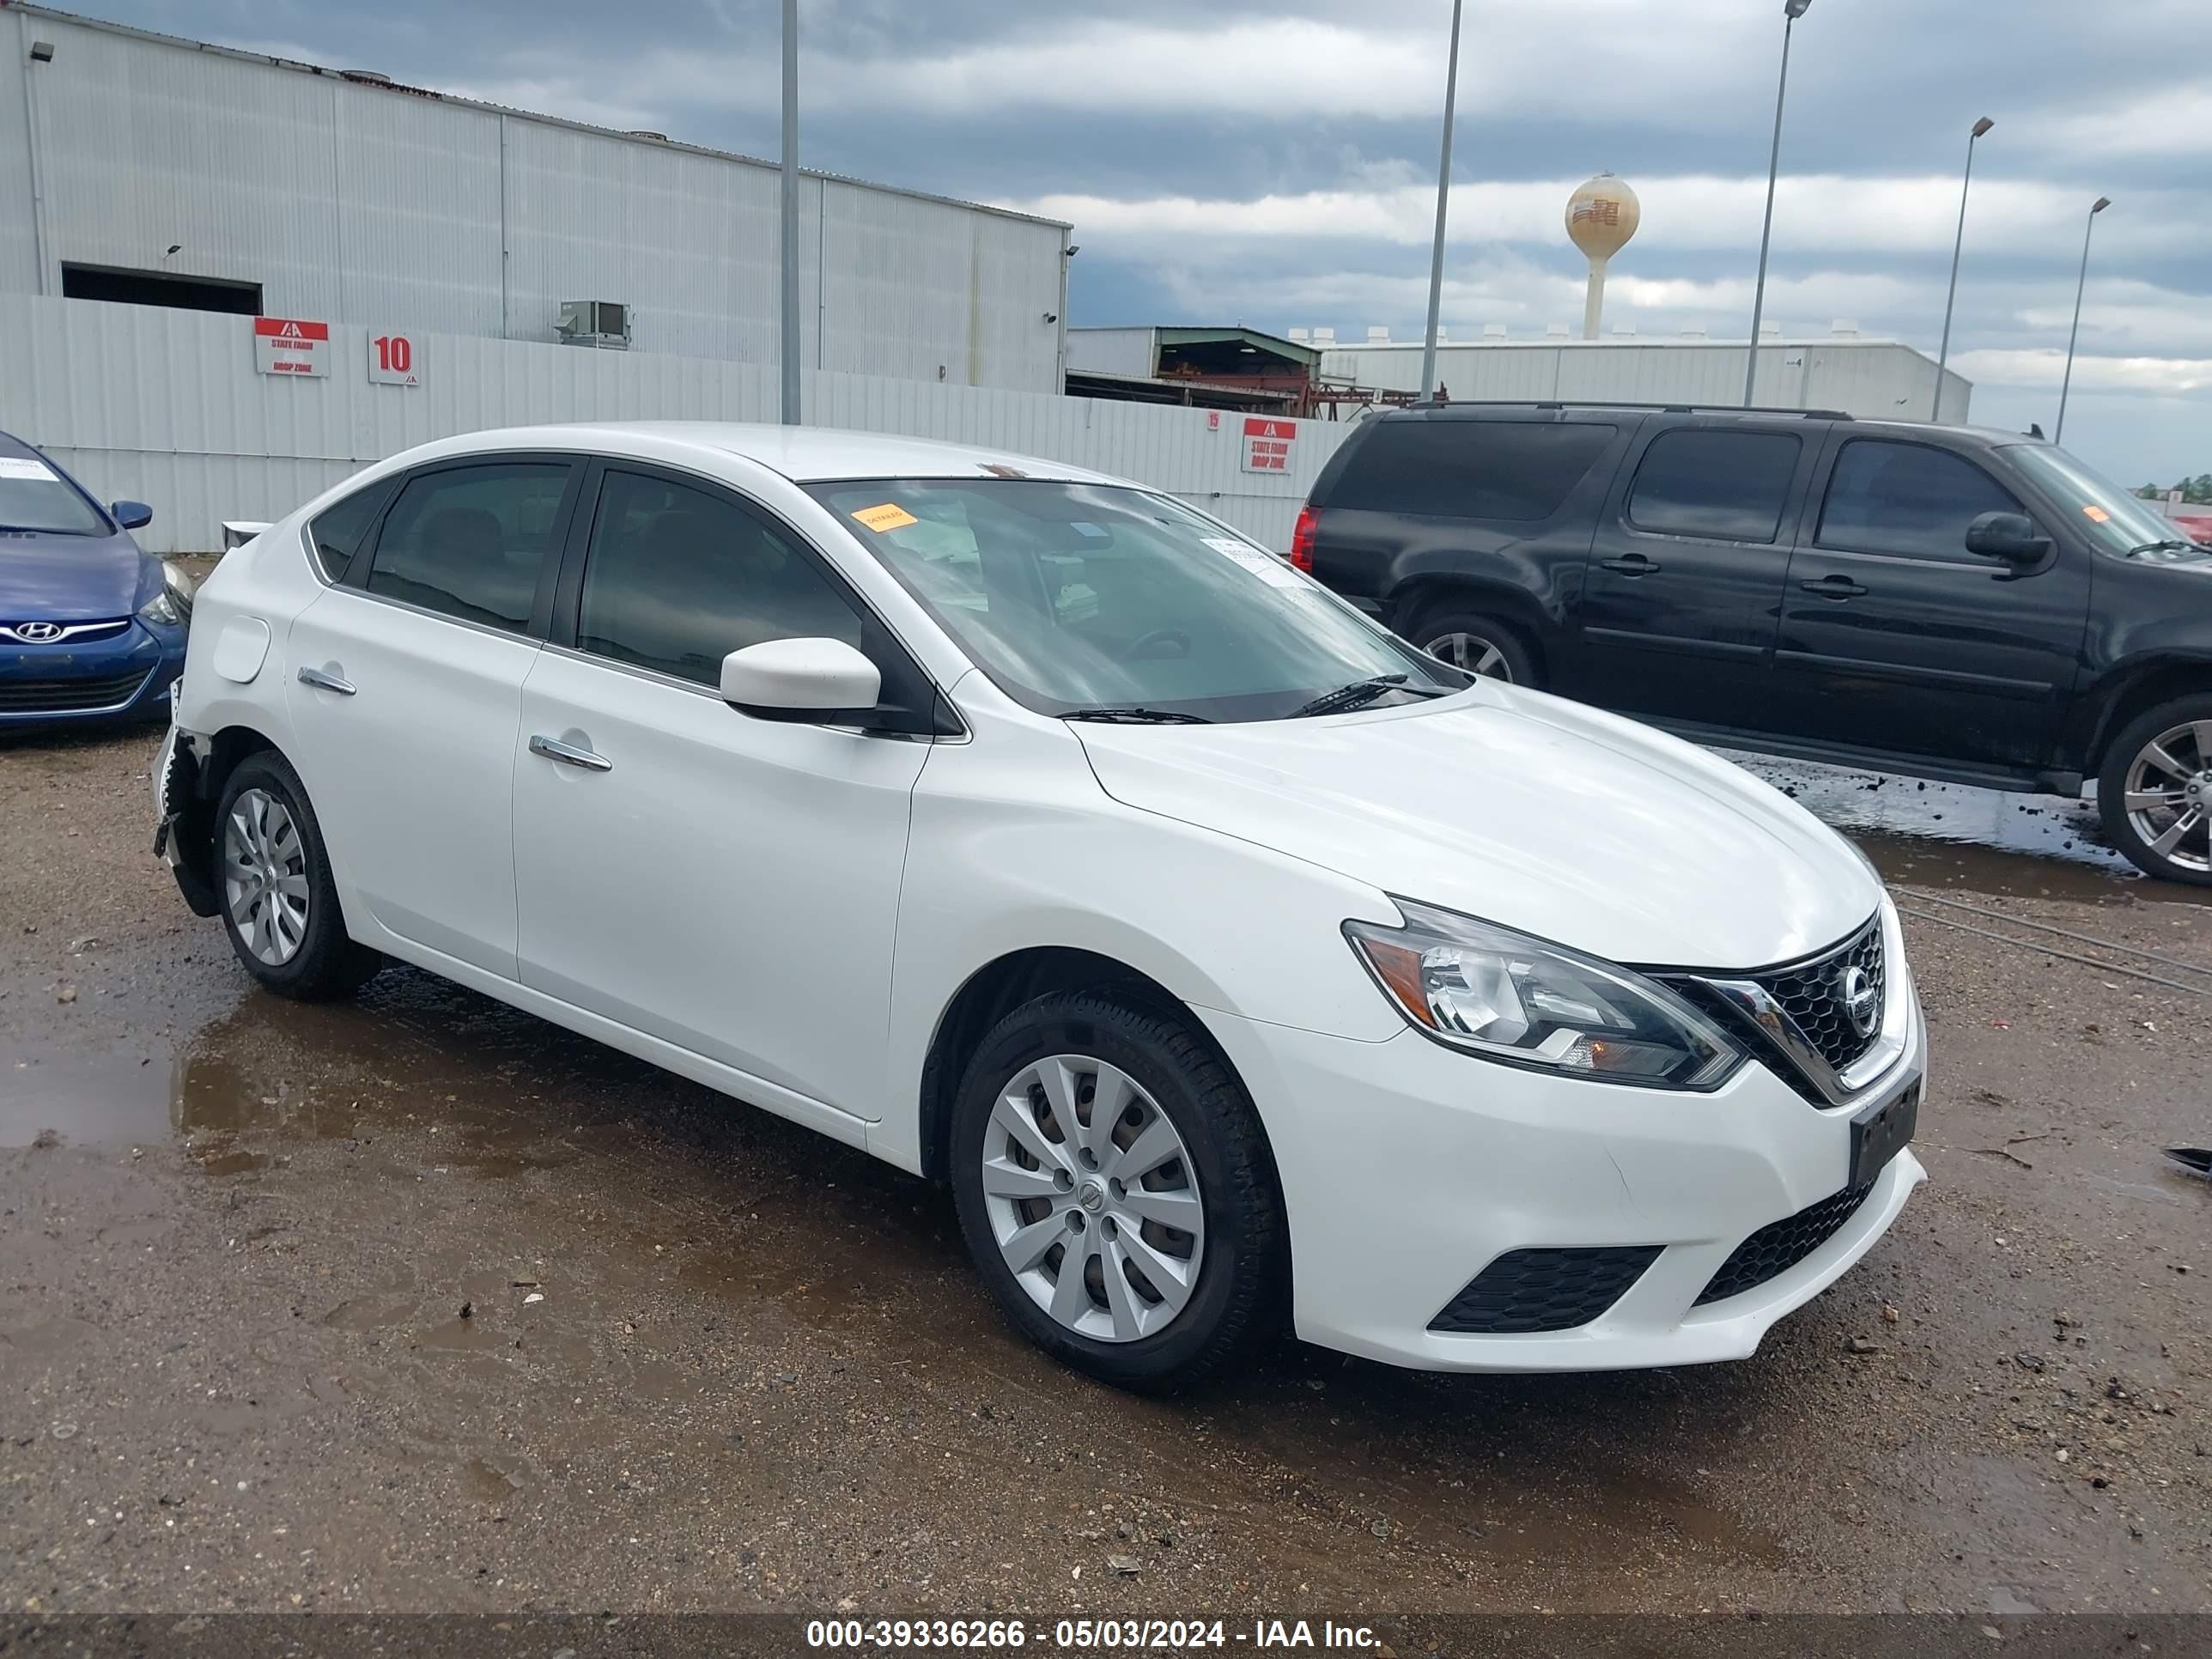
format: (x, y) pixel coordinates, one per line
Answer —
(38, 633)
(1861, 1002)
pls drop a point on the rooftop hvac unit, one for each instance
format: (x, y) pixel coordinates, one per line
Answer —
(1324, 337)
(1493, 330)
(1377, 335)
(602, 323)
(1555, 331)
(1297, 336)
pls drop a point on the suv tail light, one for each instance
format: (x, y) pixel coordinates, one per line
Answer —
(1302, 538)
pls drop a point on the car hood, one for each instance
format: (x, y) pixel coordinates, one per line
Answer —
(69, 577)
(1540, 814)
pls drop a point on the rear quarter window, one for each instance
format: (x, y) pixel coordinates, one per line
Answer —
(334, 534)
(1517, 471)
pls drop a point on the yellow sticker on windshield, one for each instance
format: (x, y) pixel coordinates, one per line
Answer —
(2094, 513)
(889, 516)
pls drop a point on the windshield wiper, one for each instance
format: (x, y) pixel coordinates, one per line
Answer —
(1137, 716)
(2178, 542)
(1357, 693)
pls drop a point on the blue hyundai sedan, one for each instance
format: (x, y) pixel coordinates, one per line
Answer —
(91, 629)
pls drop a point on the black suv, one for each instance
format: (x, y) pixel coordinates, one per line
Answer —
(1942, 601)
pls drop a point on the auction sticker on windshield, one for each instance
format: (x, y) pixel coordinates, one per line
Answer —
(1264, 565)
(25, 467)
(889, 516)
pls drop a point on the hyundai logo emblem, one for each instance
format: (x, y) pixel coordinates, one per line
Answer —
(38, 633)
(1861, 1002)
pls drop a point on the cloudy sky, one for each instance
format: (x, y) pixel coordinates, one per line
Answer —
(1274, 165)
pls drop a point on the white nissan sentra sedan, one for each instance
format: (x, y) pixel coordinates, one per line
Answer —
(1035, 831)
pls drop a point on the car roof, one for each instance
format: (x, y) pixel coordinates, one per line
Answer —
(12, 446)
(1973, 436)
(805, 454)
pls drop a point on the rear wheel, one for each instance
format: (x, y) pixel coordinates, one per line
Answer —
(2154, 790)
(1476, 643)
(1115, 1191)
(279, 905)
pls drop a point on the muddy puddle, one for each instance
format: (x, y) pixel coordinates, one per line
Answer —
(1947, 836)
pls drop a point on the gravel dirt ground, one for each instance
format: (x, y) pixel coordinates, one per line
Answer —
(419, 1303)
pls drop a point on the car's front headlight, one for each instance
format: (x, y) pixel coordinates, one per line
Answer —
(173, 604)
(1508, 997)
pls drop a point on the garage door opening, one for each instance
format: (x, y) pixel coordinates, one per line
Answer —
(159, 288)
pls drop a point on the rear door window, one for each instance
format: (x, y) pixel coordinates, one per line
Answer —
(1517, 471)
(1908, 499)
(1716, 485)
(335, 532)
(469, 542)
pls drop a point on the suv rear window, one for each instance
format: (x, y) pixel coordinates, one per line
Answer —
(1519, 471)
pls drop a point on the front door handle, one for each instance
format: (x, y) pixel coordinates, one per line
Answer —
(325, 681)
(1634, 564)
(1833, 587)
(568, 754)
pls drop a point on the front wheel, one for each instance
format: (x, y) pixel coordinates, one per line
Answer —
(2154, 790)
(279, 904)
(1114, 1188)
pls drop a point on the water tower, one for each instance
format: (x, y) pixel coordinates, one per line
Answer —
(1600, 218)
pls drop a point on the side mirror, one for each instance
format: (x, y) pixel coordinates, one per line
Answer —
(816, 682)
(132, 515)
(2011, 537)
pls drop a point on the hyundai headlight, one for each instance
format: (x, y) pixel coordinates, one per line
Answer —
(172, 605)
(1508, 997)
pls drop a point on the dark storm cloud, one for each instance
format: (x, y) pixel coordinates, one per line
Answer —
(1272, 165)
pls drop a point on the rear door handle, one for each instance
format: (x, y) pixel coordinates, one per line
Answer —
(568, 754)
(1635, 564)
(1833, 587)
(323, 682)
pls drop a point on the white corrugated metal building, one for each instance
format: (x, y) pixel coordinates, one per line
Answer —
(316, 193)
(1871, 379)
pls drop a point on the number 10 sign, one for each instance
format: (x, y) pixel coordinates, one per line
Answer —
(393, 361)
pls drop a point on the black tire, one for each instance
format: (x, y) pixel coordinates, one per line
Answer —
(327, 963)
(2120, 756)
(1234, 1302)
(1482, 634)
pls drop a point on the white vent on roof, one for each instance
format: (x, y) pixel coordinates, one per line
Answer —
(1555, 331)
(1493, 330)
(1298, 336)
(1324, 337)
(1770, 331)
(1624, 330)
(602, 323)
(1693, 334)
(1443, 333)
(1845, 328)
(1377, 335)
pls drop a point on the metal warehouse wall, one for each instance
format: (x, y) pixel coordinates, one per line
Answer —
(1870, 378)
(167, 407)
(398, 210)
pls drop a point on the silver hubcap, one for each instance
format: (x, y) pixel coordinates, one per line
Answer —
(264, 876)
(1471, 653)
(1091, 1196)
(2169, 793)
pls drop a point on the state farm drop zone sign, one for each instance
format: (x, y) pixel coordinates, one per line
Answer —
(285, 345)
(1268, 445)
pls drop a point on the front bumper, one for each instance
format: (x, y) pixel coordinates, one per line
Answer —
(1407, 1168)
(125, 677)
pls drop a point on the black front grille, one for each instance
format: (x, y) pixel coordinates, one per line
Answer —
(68, 697)
(1812, 995)
(1780, 1245)
(1526, 1291)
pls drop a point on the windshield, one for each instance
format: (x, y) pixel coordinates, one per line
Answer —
(2116, 519)
(33, 497)
(1088, 598)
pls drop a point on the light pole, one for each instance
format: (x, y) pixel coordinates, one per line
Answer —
(1444, 190)
(1943, 354)
(789, 350)
(2058, 431)
(1791, 11)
